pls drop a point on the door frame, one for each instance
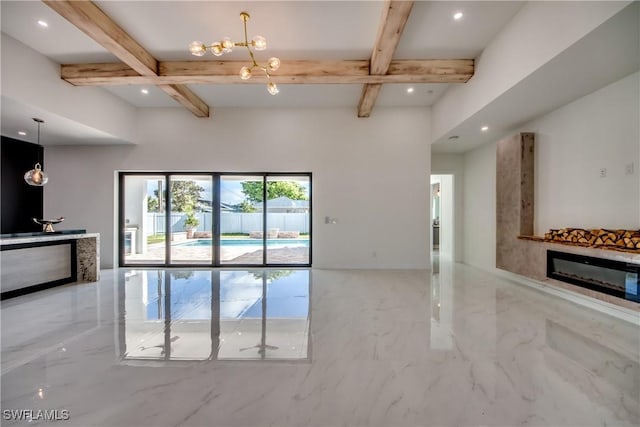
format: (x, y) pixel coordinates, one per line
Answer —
(216, 208)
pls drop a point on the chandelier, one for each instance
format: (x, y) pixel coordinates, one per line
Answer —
(219, 48)
(36, 176)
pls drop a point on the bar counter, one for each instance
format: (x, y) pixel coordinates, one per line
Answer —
(35, 261)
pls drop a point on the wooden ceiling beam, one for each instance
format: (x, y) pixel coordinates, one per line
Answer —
(140, 67)
(394, 18)
(91, 20)
(368, 98)
(187, 98)
(292, 72)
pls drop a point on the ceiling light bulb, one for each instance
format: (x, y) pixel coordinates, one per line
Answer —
(410, 90)
(227, 45)
(216, 49)
(260, 43)
(458, 16)
(22, 133)
(43, 23)
(484, 128)
(197, 48)
(144, 91)
(272, 88)
(273, 64)
(245, 73)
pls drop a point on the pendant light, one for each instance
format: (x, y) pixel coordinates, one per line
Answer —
(36, 176)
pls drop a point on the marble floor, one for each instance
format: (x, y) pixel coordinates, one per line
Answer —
(316, 348)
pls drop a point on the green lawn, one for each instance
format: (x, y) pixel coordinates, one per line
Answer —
(155, 238)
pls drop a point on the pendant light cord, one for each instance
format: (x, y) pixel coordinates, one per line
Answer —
(39, 121)
(39, 144)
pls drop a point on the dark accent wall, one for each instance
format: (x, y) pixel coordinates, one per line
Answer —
(19, 201)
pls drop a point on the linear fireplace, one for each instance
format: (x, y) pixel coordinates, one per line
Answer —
(615, 278)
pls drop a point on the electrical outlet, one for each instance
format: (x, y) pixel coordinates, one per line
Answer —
(329, 220)
(629, 169)
(603, 172)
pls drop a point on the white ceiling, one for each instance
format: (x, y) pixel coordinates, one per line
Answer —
(607, 54)
(294, 30)
(319, 30)
(56, 130)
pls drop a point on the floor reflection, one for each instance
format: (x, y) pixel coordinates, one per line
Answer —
(389, 348)
(441, 323)
(172, 315)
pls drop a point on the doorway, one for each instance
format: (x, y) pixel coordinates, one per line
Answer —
(442, 214)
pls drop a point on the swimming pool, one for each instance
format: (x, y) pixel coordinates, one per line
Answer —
(272, 243)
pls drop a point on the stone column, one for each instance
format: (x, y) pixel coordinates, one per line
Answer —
(514, 202)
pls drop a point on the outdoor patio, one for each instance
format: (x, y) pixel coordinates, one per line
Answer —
(228, 254)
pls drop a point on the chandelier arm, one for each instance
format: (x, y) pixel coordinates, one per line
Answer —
(253, 59)
(247, 44)
(246, 37)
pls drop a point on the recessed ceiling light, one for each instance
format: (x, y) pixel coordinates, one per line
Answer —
(144, 91)
(484, 128)
(43, 23)
(458, 16)
(23, 133)
(410, 89)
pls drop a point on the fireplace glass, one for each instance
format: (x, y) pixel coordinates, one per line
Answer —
(615, 278)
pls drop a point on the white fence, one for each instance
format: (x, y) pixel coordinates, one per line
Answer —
(230, 222)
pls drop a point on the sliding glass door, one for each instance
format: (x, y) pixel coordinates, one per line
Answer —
(241, 224)
(143, 213)
(191, 222)
(213, 219)
(288, 219)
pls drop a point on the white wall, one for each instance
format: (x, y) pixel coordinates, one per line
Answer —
(371, 174)
(537, 33)
(33, 79)
(573, 143)
(453, 164)
(480, 207)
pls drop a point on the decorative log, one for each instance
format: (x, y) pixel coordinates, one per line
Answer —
(624, 239)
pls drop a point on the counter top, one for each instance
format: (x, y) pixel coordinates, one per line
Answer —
(45, 237)
(43, 233)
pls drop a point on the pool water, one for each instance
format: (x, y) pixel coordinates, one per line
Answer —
(248, 242)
